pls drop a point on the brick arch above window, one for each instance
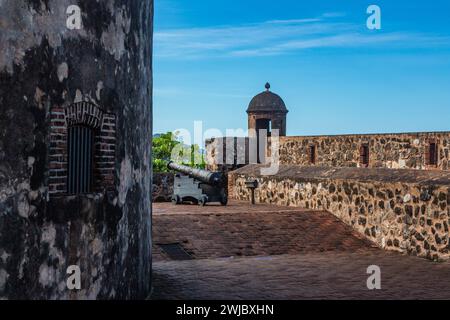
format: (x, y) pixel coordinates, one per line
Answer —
(84, 113)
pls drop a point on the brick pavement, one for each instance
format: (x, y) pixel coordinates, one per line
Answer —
(330, 275)
(267, 252)
(243, 230)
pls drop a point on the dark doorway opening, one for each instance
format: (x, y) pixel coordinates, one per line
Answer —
(263, 131)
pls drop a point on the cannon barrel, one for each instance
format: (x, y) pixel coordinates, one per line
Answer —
(208, 177)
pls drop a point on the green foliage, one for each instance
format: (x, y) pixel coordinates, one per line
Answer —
(167, 147)
(197, 159)
(162, 151)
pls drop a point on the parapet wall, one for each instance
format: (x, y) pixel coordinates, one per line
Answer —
(396, 151)
(402, 210)
(162, 188)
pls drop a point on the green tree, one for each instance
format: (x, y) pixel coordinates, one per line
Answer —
(162, 148)
(197, 158)
(168, 147)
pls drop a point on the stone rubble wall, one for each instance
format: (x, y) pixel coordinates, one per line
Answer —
(162, 189)
(411, 217)
(396, 151)
(227, 153)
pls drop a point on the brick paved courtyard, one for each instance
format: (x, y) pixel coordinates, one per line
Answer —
(267, 252)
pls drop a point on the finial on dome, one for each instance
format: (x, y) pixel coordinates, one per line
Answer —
(267, 86)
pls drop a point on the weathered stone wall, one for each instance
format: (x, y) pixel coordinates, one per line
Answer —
(45, 68)
(397, 151)
(162, 189)
(227, 153)
(402, 210)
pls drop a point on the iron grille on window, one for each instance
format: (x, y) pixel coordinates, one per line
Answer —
(364, 155)
(312, 154)
(80, 156)
(433, 154)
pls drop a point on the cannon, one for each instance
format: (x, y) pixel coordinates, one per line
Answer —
(199, 186)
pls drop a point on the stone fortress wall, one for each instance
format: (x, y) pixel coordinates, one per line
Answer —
(162, 187)
(396, 151)
(402, 210)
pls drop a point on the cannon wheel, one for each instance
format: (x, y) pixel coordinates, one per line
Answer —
(224, 200)
(176, 200)
(202, 201)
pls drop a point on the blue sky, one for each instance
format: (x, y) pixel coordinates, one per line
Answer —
(335, 75)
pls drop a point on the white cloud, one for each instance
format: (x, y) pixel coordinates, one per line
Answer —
(294, 21)
(333, 14)
(173, 92)
(278, 37)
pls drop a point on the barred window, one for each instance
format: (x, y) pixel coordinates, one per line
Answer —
(433, 154)
(312, 154)
(80, 155)
(364, 155)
